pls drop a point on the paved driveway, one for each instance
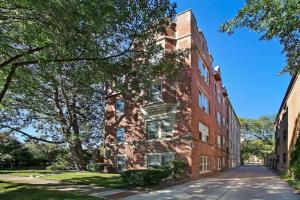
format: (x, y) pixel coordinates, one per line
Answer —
(243, 183)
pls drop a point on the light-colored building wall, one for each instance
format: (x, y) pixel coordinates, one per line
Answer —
(287, 124)
(234, 138)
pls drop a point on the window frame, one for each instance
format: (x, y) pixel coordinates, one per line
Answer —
(204, 71)
(117, 162)
(119, 112)
(160, 158)
(155, 99)
(203, 134)
(219, 141)
(204, 164)
(161, 134)
(203, 99)
(124, 136)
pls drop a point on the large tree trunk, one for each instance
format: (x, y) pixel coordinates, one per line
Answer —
(78, 156)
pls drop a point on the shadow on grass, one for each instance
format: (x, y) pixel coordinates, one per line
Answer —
(108, 182)
(12, 191)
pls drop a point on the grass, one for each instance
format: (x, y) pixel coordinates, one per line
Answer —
(86, 178)
(27, 172)
(292, 182)
(13, 191)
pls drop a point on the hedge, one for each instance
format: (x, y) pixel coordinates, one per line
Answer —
(145, 177)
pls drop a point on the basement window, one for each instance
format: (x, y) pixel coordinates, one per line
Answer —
(159, 159)
(120, 163)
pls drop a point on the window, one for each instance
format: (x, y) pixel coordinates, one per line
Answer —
(203, 102)
(284, 158)
(120, 163)
(219, 96)
(160, 129)
(223, 162)
(204, 132)
(157, 160)
(218, 116)
(120, 133)
(223, 141)
(156, 92)
(204, 164)
(119, 107)
(219, 164)
(284, 135)
(224, 121)
(204, 71)
(154, 161)
(219, 141)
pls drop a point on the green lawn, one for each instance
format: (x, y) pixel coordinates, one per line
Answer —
(87, 178)
(13, 191)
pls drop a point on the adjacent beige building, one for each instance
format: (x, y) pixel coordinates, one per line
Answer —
(287, 124)
(234, 138)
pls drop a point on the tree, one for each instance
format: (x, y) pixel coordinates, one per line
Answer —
(12, 152)
(257, 137)
(115, 52)
(273, 19)
(98, 32)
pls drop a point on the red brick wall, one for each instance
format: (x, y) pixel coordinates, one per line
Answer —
(183, 89)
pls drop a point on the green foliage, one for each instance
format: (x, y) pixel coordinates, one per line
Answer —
(145, 177)
(95, 167)
(178, 168)
(257, 137)
(63, 161)
(273, 19)
(295, 160)
(12, 152)
(67, 60)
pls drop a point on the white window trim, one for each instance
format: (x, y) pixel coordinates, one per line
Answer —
(219, 164)
(160, 131)
(206, 164)
(160, 156)
(200, 101)
(204, 135)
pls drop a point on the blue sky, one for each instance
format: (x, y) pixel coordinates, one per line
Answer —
(249, 67)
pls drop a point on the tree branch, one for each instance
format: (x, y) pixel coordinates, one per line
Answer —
(16, 57)
(32, 137)
(8, 81)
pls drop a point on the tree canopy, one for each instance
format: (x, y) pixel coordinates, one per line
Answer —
(272, 19)
(257, 136)
(58, 66)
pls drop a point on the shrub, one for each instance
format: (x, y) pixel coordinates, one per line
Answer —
(145, 177)
(295, 160)
(95, 167)
(178, 168)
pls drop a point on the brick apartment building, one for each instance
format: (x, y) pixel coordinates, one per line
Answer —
(287, 124)
(189, 118)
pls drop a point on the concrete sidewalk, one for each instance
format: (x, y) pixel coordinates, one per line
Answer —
(243, 183)
(69, 187)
